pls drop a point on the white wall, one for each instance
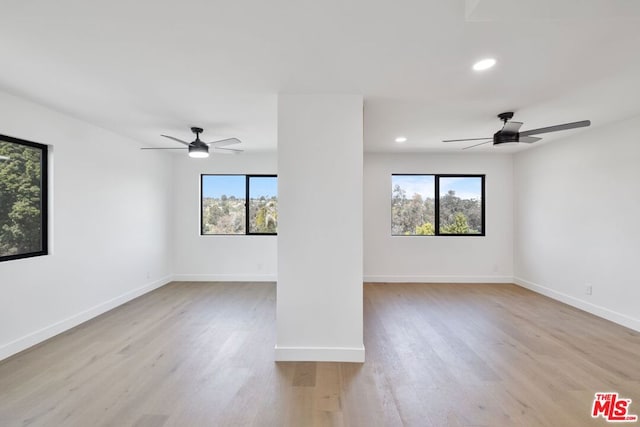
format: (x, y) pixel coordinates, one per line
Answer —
(390, 258)
(577, 220)
(319, 307)
(218, 258)
(109, 220)
(122, 221)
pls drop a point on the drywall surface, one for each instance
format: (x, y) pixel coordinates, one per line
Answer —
(320, 161)
(390, 258)
(217, 257)
(576, 220)
(109, 223)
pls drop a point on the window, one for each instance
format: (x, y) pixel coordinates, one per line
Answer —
(437, 205)
(460, 205)
(23, 198)
(225, 209)
(263, 204)
(223, 204)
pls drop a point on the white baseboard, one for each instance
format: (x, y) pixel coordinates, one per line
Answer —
(45, 333)
(320, 354)
(594, 309)
(225, 277)
(438, 279)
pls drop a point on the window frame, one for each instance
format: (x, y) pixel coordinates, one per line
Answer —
(44, 197)
(247, 203)
(436, 203)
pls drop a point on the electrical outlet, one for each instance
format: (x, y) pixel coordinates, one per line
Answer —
(148, 275)
(588, 289)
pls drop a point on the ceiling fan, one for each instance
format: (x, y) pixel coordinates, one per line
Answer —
(510, 132)
(198, 148)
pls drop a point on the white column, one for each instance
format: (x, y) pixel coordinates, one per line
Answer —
(319, 297)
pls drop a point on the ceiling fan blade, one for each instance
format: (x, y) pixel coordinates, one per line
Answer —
(529, 139)
(566, 126)
(176, 139)
(163, 148)
(482, 143)
(227, 150)
(511, 127)
(468, 139)
(224, 142)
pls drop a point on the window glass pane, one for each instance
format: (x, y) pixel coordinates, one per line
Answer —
(412, 205)
(223, 199)
(460, 205)
(22, 200)
(263, 204)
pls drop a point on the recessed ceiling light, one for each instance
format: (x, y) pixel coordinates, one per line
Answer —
(401, 139)
(484, 64)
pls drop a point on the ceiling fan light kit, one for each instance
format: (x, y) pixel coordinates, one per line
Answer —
(198, 152)
(510, 132)
(199, 149)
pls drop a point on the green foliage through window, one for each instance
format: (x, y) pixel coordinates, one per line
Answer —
(225, 209)
(457, 210)
(23, 198)
(263, 204)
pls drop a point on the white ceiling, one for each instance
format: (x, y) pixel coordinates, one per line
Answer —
(142, 68)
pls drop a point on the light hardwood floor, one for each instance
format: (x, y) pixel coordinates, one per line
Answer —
(201, 354)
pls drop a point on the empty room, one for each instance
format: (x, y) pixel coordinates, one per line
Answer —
(332, 213)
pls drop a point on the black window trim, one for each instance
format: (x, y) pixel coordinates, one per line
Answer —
(436, 202)
(44, 197)
(248, 177)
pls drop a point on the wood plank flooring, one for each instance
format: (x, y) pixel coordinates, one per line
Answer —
(201, 354)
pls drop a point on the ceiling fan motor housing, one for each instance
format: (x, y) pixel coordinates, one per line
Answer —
(505, 137)
(501, 137)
